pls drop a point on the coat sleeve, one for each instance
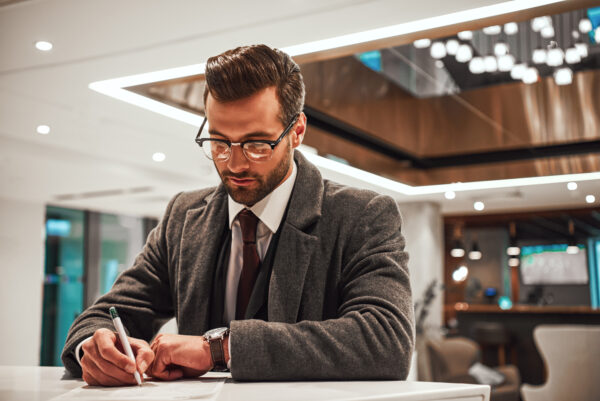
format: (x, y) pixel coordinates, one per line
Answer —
(141, 294)
(372, 336)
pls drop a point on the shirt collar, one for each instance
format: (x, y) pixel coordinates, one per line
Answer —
(271, 208)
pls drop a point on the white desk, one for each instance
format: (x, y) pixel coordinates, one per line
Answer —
(24, 383)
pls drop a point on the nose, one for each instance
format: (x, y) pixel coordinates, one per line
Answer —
(237, 160)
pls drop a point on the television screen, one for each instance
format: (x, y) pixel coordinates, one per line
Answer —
(551, 264)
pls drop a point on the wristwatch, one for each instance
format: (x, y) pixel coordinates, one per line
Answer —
(215, 339)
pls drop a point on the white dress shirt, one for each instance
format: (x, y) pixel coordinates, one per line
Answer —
(270, 212)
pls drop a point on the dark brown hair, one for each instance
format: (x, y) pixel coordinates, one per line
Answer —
(243, 71)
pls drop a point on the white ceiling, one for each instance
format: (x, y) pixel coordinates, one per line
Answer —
(100, 144)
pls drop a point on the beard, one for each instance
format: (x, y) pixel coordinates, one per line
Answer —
(265, 184)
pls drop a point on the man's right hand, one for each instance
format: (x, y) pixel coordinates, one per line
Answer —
(104, 362)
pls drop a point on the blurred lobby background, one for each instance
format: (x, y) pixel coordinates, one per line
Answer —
(481, 118)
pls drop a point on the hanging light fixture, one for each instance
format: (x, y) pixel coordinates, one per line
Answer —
(476, 65)
(513, 249)
(475, 252)
(518, 71)
(511, 28)
(438, 50)
(555, 57)
(572, 55)
(539, 55)
(563, 76)
(501, 48)
(582, 48)
(572, 248)
(490, 64)
(530, 76)
(464, 53)
(585, 25)
(458, 249)
(452, 46)
(506, 62)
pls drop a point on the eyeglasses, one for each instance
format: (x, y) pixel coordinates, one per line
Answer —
(256, 150)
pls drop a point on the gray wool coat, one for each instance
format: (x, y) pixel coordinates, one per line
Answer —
(339, 299)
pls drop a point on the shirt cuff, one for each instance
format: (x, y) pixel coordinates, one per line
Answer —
(78, 350)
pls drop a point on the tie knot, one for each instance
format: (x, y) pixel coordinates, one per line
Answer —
(248, 223)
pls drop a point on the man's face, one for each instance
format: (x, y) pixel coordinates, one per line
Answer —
(255, 117)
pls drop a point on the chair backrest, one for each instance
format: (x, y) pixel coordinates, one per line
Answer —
(451, 357)
(571, 354)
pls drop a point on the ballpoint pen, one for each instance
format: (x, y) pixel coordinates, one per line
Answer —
(124, 341)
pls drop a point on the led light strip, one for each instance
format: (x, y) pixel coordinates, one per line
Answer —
(115, 88)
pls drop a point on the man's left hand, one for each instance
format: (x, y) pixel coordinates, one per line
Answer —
(178, 356)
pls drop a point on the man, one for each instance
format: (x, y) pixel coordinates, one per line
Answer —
(302, 278)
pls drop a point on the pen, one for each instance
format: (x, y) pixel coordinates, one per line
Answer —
(124, 342)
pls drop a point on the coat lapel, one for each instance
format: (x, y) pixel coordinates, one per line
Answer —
(201, 242)
(296, 243)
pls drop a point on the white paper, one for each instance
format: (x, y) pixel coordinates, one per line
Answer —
(185, 389)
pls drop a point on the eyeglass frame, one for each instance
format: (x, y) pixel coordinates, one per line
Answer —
(200, 141)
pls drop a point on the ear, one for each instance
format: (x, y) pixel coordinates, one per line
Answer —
(297, 134)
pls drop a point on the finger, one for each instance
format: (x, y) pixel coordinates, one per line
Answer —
(95, 374)
(93, 358)
(162, 368)
(169, 374)
(105, 342)
(144, 354)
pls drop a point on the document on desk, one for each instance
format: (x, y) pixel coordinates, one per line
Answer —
(185, 389)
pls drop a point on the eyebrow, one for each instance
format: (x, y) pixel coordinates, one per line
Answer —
(250, 135)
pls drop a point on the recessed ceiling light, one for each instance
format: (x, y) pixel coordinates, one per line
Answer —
(43, 129)
(590, 199)
(439, 63)
(422, 43)
(492, 30)
(479, 205)
(43, 45)
(159, 157)
(465, 35)
(450, 195)
(572, 186)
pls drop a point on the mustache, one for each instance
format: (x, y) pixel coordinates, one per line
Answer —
(229, 174)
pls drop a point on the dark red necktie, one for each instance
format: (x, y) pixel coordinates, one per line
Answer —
(251, 262)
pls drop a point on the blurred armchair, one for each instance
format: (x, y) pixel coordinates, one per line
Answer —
(451, 358)
(572, 358)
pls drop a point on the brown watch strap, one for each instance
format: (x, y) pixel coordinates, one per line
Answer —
(217, 354)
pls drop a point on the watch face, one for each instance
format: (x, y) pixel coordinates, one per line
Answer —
(216, 333)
